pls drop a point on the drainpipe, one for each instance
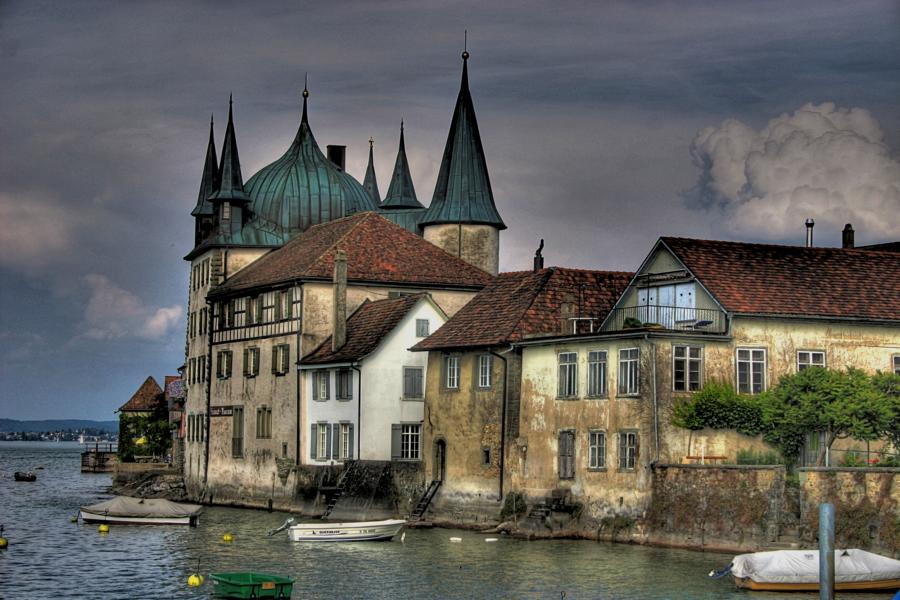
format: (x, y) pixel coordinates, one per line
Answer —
(503, 418)
(358, 411)
(299, 356)
(209, 354)
(655, 399)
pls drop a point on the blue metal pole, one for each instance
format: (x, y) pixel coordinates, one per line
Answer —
(826, 551)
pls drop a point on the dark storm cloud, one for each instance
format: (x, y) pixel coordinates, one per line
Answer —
(587, 112)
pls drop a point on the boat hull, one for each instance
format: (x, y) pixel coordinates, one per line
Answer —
(89, 517)
(749, 584)
(23, 476)
(369, 531)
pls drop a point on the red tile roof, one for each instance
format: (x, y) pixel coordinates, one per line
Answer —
(377, 250)
(525, 304)
(366, 327)
(795, 280)
(147, 398)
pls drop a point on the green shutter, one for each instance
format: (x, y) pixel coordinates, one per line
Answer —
(313, 439)
(327, 441)
(395, 442)
(336, 441)
(350, 453)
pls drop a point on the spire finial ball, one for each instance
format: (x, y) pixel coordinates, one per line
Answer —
(305, 93)
(465, 55)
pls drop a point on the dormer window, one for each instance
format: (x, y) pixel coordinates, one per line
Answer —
(226, 211)
(668, 305)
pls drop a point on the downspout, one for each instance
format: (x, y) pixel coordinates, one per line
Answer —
(299, 356)
(358, 411)
(209, 345)
(655, 399)
(503, 419)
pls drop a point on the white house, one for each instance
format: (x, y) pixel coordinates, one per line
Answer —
(366, 396)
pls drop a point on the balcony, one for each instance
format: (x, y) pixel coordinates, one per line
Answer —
(673, 318)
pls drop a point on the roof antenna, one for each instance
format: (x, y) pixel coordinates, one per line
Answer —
(305, 96)
(465, 53)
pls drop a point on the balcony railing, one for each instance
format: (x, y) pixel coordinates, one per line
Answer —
(675, 318)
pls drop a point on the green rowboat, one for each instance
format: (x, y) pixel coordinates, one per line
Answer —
(252, 585)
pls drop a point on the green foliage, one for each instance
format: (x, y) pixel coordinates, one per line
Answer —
(513, 506)
(888, 384)
(750, 457)
(718, 406)
(155, 428)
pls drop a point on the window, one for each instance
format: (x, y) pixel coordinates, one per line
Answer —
(810, 358)
(412, 382)
(280, 359)
(204, 315)
(485, 457)
(201, 366)
(628, 450)
(251, 362)
(405, 441)
(422, 329)
(345, 437)
(226, 211)
(192, 370)
(451, 371)
(192, 322)
(597, 373)
(237, 432)
(321, 384)
(190, 428)
(568, 374)
(223, 364)
(263, 422)
(323, 441)
(283, 305)
(566, 454)
(201, 423)
(687, 364)
(344, 384)
(895, 363)
(254, 310)
(628, 371)
(751, 371)
(597, 450)
(485, 368)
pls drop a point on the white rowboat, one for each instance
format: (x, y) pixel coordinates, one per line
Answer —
(798, 570)
(141, 511)
(364, 531)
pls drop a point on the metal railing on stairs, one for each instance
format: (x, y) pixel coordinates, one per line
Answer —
(425, 500)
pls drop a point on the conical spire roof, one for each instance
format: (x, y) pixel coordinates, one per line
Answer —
(231, 186)
(463, 190)
(209, 182)
(370, 182)
(401, 194)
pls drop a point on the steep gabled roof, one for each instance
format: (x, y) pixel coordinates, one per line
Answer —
(146, 398)
(377, 251)
(463, 190)
(525, 304)
(209, 181)
(231, 182)
(366, 328)
(794, 280)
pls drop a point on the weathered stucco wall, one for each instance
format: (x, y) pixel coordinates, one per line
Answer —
(480, 243)
(866, 504)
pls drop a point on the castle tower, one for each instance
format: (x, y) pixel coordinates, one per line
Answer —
(204, 213)
(230, 200)
(462, 218)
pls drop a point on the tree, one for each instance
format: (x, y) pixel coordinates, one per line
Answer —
(837, 403)
(889, 385)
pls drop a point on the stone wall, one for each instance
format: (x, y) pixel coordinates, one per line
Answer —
(866, 504)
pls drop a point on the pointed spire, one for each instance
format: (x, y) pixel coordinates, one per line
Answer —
(401, 193)
(370, 183)
(231, 185)
(305, 96)
(463, 190)
(209, 181)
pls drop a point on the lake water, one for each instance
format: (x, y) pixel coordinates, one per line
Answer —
(49, 557)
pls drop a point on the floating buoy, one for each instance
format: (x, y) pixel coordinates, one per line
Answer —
(402, 537)
(456, 539)
(104, 528)
(228, 538)
(490, 539)
(195, 580)
(3, 541)
(73, 519)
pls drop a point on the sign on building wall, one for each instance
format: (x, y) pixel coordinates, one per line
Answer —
(221, 411)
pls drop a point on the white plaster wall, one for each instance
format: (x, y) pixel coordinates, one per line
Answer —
(329, 411)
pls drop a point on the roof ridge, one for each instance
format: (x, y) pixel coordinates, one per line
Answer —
(770, 245)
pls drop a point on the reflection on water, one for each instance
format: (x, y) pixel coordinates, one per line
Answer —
(49, 557)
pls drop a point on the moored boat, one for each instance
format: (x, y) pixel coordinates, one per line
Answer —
(798, 570)
(252, 585)
(25, 476)
(364, 531)
(141, 511)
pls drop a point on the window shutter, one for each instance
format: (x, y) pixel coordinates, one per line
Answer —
(228, 358)
(285, 358)
(246, 362)
(313, 441)
(314, 375)
(637, 449)
(561, 451)
(418, 388)
(274, 359)
(623, 457)
(327, 376)
(395, 442)
(336, 441)
(327, 442)
(350, 453)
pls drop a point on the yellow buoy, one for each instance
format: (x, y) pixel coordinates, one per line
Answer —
(228, 538)
(195, 580)
(104, 528)
(73, 519)
(3, 543)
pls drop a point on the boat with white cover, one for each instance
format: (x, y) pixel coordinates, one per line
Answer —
(363, 531)
(141, 511)
(798, 570)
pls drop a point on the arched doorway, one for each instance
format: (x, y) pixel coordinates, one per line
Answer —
(440, 460)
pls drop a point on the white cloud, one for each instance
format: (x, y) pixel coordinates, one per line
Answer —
(36, 231)
(112, 313)
(819, 162)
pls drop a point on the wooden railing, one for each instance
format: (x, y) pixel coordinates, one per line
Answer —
(677, 318)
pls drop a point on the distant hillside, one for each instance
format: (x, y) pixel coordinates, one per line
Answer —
(57, 425)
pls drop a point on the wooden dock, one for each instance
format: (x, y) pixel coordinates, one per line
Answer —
(99, 457)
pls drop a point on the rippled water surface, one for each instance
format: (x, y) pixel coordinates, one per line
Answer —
(49, 557)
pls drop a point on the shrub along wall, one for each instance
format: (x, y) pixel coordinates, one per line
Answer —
(866, 503)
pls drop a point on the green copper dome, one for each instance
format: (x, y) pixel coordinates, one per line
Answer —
(301, 189)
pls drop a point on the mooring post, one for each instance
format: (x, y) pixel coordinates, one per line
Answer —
(826, 551)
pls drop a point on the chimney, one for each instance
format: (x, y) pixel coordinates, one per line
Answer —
(809, 227)
(338, 155)
(847, 236)
(339, 313)
(538, 258)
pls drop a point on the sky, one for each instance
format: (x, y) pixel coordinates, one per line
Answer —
(605, 126)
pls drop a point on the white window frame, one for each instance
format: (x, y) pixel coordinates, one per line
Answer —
(485, 370)
(344, 445)
(410, 441)
(321, 385)
(628, 460)
(751, 361)
(689, 384)
(451, 372)
(806, 358)
(322, 449)
(423, 328)
(223, 365)
(251, 368)
(598, 368)
(629, 372)
(567, 375)
(597, 450)
(280, 359)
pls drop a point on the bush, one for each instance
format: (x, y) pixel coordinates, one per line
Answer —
(718, 406)
(513, 506)
(751, 457)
